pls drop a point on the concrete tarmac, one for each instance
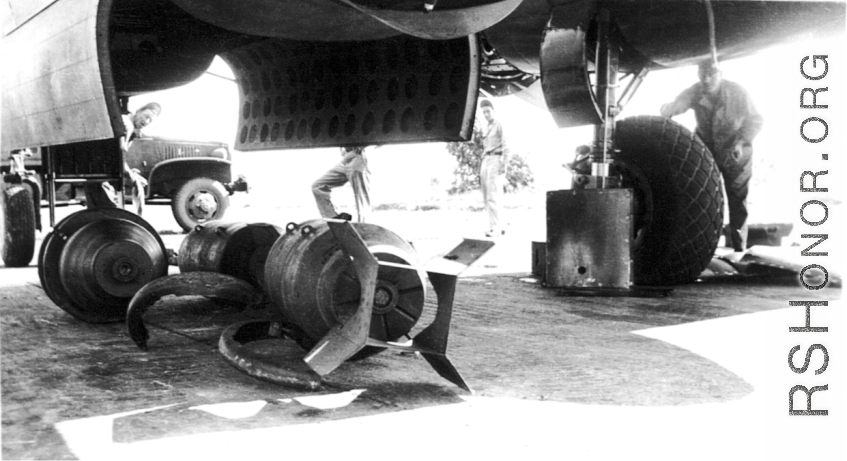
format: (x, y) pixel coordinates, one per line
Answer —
(699, 374)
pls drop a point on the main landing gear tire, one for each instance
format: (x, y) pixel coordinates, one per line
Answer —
(678, 199)
(17, 224)
(199, 201)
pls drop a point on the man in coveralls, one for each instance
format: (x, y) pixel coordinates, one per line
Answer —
(354, 168)
(727, 122)
(102, 194)
(494, 152)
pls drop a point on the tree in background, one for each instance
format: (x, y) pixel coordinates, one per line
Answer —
(468, 159)
(518, 174)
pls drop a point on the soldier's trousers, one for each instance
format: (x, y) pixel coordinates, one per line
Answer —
(100, 194)
(737, 173)
(489, 171)
(356, 172)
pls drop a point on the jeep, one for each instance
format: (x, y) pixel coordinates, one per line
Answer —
(194, 178)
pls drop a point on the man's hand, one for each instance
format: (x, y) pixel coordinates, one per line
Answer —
(136, 178)
(738, 149)
(674, 108)
(666, 110)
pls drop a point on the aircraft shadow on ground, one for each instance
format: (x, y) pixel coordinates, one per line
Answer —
(508, 339)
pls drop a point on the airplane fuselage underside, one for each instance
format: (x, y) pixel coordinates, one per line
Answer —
(351, 72)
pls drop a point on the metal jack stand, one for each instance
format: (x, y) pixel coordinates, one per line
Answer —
(345, 340)
(590, 230)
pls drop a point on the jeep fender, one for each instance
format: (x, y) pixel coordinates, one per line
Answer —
(167, 176)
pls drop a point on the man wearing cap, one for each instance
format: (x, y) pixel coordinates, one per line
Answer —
(103, 194)
(353, 168)
(494, 155)
(727, 122)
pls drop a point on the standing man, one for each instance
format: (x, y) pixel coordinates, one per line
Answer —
(102, 194)
(494, 155)
(354, 168)
(727, 122)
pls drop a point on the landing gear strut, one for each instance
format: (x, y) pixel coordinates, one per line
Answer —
(648, 211)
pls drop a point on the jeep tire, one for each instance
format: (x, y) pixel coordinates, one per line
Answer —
(198, 201)
(678, 199)
(17, 224)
